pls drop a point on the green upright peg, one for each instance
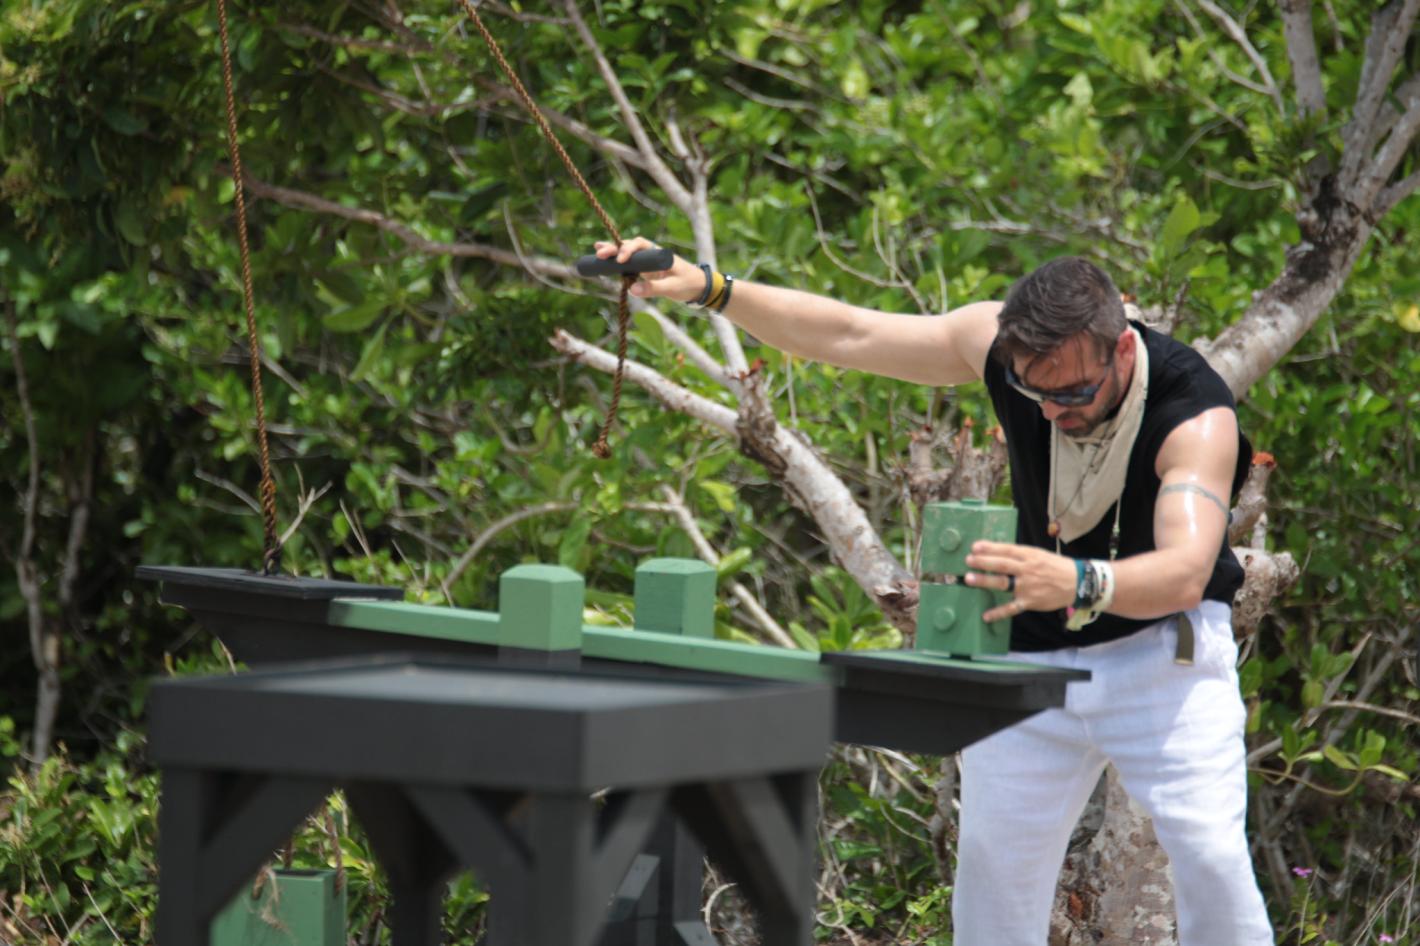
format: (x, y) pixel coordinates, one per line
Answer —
(540, 608)
(676, 596)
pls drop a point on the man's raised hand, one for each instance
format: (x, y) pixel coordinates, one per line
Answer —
(683, 282)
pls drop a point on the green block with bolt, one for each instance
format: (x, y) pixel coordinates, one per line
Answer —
(949, 616)
(949, 621)
(949, 529)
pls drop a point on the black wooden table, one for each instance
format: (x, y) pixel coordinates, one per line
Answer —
(451, 764)
(905, 700)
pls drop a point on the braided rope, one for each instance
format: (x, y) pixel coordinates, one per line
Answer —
(271, 558)
(623, 316)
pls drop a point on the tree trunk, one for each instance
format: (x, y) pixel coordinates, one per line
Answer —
(1115, 888)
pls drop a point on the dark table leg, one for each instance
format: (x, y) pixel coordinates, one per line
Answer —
(762, 830)
(417, 863)
(214, 831)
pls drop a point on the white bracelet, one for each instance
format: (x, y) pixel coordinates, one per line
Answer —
(1105, 572)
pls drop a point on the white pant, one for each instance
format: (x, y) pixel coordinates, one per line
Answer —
(1175, 735)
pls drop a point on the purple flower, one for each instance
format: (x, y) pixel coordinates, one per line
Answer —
(1302, 871)
(1387, 938)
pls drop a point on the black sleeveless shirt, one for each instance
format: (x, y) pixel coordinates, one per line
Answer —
(1181, 386)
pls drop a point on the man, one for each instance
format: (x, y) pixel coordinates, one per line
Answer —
(1124, 451)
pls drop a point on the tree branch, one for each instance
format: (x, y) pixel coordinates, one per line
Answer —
(1301, 51)
(678, 337)
(1401, 136)
(1395, 193)
(676, 506)
(303, 200)
(653, 163)
(608, 146)
(808, 481)
(481, 541)
(1239, 36)
(1390, 27)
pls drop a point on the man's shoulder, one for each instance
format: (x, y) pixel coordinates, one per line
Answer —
(1178, 371)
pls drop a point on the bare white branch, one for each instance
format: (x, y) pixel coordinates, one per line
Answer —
(1238, 35)
(1395, 193)
(1390, 29)
(658, 385)
(1388, 158)
(678, 337)
(1301, 50)
(676, 506)
(490, 533)
(807, 479)
(652, 159)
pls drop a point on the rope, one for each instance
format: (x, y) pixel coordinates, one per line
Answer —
(623, 315)
(271, 558)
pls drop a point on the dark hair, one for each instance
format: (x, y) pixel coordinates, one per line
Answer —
(1059, 300)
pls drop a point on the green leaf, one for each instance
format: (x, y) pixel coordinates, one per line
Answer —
(354, 318)
(1181, 221)
(371, 354)
(124, 122)
(128, 221)
(1312, 694)
(732, 563)
(1338, 758)
(1390, 772)
(855, 83)
(722, 493)
(574, 542)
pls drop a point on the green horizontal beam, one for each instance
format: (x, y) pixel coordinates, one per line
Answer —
(717, 656)
(416, 620)
(605, 643)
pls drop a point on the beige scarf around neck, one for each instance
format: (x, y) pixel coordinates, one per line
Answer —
(1087, 473)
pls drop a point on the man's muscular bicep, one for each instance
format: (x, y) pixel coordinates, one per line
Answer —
(1195, 468)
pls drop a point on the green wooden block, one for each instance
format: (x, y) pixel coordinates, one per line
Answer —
(949, 529)
(949, 621)
(540, 608)
(676, 596)
(301, 908)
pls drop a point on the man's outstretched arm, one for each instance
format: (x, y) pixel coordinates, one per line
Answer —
(931, 349)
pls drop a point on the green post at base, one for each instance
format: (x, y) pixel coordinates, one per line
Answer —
(302, 908)
(949, 621)
(676, 596)
(540, 608)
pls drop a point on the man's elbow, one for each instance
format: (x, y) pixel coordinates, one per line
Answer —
(1190, 592)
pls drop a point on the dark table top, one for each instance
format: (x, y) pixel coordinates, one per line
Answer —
(462, 721)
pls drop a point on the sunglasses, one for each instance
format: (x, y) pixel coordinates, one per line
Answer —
(1071, 397)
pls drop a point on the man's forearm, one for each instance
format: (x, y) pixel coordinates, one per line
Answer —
(1156, 584)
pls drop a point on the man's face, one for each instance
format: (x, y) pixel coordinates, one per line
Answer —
(1076, 365)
